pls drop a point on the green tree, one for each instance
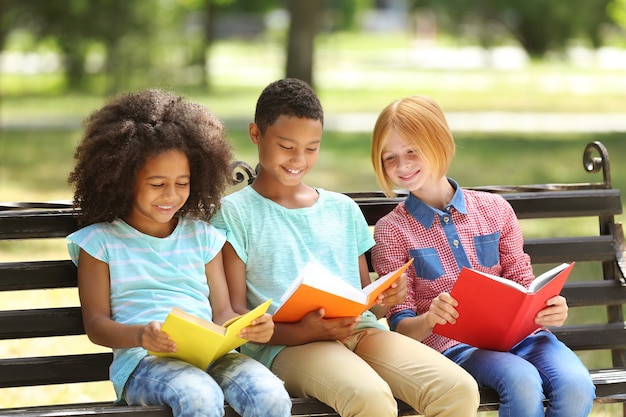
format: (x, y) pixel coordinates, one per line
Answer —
(152, 42)
(304, 25)
(538, 25)
(617, 11)
(128, 33)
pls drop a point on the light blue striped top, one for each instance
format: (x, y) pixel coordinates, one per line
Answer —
(149, 276)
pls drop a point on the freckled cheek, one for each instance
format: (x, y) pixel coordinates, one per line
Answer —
(390, 166)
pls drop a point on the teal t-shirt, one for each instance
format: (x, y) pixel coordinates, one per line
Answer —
(149, 276)
(275, 243)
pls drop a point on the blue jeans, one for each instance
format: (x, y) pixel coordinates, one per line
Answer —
(249, 387)
(537, 367)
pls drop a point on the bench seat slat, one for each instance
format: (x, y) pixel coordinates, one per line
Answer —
(99, 409)
(45, 370)
(610, 384)
(42, 322)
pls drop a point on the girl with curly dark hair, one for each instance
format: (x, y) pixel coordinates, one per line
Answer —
(150, 171)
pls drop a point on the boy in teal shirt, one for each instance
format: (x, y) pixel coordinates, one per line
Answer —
(277, 225)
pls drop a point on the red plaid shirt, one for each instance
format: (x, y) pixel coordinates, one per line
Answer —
(478, 230)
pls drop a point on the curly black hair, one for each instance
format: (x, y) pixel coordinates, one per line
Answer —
(289, 97)
(119, 137)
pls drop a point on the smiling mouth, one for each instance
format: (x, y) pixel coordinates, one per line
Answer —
(408, 177)
(293, 171)
(166, 207)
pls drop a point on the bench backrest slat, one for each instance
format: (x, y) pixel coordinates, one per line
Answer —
(33, 224)
(594, 293)
(584, 337)
(577, 203)
(41, 322)
(25, 372)
(568, 249)
(37, 275)
(531, 205)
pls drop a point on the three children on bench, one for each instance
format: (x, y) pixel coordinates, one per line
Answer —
(151, 172)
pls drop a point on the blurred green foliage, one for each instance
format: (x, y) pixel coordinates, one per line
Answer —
(114, 45)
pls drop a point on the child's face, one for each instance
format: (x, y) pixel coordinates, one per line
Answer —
(403, 165)
(289, 148)
(161, 189)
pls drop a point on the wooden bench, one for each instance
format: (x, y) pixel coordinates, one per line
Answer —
(597, 284)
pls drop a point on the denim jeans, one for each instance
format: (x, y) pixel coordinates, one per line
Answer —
(537, 367)
(249, 387)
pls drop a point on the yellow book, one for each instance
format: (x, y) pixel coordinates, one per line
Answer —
(199, 342)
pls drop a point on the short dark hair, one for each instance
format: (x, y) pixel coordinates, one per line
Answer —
(119, 137)
(287, 97)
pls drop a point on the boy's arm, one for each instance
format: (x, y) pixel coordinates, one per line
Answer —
(260, 329)
(235, 271)
(218, 296)
(311, 328)
(94, 293)
(395, 294)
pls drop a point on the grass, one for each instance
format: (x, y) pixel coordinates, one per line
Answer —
(352, 75)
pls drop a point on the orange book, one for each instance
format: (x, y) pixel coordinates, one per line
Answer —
(496, 313)
(317, 288)
(199, 342)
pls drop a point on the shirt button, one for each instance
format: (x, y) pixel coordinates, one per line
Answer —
(455, 243)
(446, 219)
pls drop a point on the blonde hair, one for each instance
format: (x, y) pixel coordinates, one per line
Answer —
(421, 124)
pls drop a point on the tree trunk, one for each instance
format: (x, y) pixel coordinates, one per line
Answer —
(305, 16)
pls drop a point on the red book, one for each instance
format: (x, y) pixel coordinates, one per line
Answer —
(317, 287)
(496, 313)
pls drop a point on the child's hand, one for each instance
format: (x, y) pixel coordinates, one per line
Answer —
(442, 310)
(260, 330)
(319, 328)
(395, 294)
(554, 314)
(152, 338)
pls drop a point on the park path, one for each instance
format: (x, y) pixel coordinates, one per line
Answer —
(500, 122)
(489, 121)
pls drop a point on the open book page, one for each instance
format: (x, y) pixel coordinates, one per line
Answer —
(546, 277)
(198, 321)
(316, 276)
(235, 325)
(505, 281)
(377, 287)
(199, 342)
(317, 288)
(534, 286)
